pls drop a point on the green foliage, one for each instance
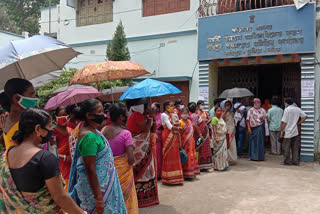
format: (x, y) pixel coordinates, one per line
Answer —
(45, 91)
(117, 49)
(24, 14)
(6, 23)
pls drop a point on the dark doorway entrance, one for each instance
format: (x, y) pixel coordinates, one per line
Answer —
(264, 81)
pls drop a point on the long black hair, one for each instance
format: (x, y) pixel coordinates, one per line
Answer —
(192, 107)
(12, 87)
(88, 106)
(165, 104)
(29, 119)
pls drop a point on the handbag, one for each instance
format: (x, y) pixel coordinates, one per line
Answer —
(183, 156)
(182, 152)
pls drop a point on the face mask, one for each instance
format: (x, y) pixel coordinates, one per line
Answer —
(185, 116)
(62, 120)
(218, 115)
(138, 108)
(170, 109)
(27, 102)
(181, 107)
(201, 107)
(46, 139)
(98, 118)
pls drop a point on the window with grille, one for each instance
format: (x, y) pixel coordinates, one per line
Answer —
(158, 7)
(92, 12)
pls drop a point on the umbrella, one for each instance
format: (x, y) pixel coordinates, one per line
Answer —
(65, 88)
(149, 88)
(112, 94)
(33, 57)
(44, 79)
(72, 96)
(236, 93)
(109, 70)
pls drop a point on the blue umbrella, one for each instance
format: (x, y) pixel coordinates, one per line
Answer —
(33, 57)
(149, 88)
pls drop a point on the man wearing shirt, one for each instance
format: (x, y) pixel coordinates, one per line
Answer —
(274, 119)
(240, 119)
(289, 131)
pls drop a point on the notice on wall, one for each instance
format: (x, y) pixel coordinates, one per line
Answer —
(307, 88)
(204, 94)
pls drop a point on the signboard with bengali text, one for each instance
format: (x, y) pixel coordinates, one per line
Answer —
(268, 31)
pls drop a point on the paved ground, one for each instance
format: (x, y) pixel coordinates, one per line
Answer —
(249, 187)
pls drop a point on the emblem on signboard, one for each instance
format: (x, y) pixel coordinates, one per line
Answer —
(252, 18)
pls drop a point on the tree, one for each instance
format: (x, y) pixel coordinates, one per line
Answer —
(6, 23)
(117, 49)
(25, 13)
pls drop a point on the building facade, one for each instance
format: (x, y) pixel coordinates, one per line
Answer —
(162, 35)
(268, 48)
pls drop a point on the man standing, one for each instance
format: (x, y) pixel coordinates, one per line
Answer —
(216, 104)
(289, 131)
(274, 119)
(240, 118)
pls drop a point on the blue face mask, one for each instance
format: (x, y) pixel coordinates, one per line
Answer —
(28, 102)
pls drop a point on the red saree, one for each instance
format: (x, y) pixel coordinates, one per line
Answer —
(63, 149)
(191, 167)
(171, 166)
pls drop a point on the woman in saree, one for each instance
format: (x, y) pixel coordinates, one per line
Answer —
(120, 141)
(256, 128)
(18, 95)
(61, 135)
(191, 167)
(172, 173)
(231, 132)
(155, 107)
(142, 127)
(220, 153)
(178, 106)
(202, 132)
(30, 177)
(94, 182)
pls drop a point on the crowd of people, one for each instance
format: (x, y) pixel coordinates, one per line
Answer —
(95, 158)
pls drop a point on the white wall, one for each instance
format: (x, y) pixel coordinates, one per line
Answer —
(44, 20)
(8, 37)
(130, 12)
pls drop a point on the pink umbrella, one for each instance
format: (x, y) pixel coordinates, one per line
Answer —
(72, 96)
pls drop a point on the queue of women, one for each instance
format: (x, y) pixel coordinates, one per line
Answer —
(106, 160)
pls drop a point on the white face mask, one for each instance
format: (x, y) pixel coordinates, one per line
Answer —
(201, 107)
(138, 108)
(185, 116)
(181, 107)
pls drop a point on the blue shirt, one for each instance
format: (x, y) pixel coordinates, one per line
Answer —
(274, 118)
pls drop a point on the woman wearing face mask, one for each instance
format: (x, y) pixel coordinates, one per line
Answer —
(120, 141)
(156, 108)
(30, 177)
(143, 133)
(18, 95)
(191, 167)
(256, 128)
(61, 135)
(178, 106)
(94, 182)
(171, 166)
(220, 151)
(202, 131)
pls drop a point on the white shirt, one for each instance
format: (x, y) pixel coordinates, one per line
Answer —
(291, 117)
(165, 121)
(238, 116)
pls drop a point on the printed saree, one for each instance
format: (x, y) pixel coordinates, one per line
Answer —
(231, 140)
(126, 178)
(144, 169)
(220, 152)
(12, 201)
(191, 167)
(79, 188)
(171, 166)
